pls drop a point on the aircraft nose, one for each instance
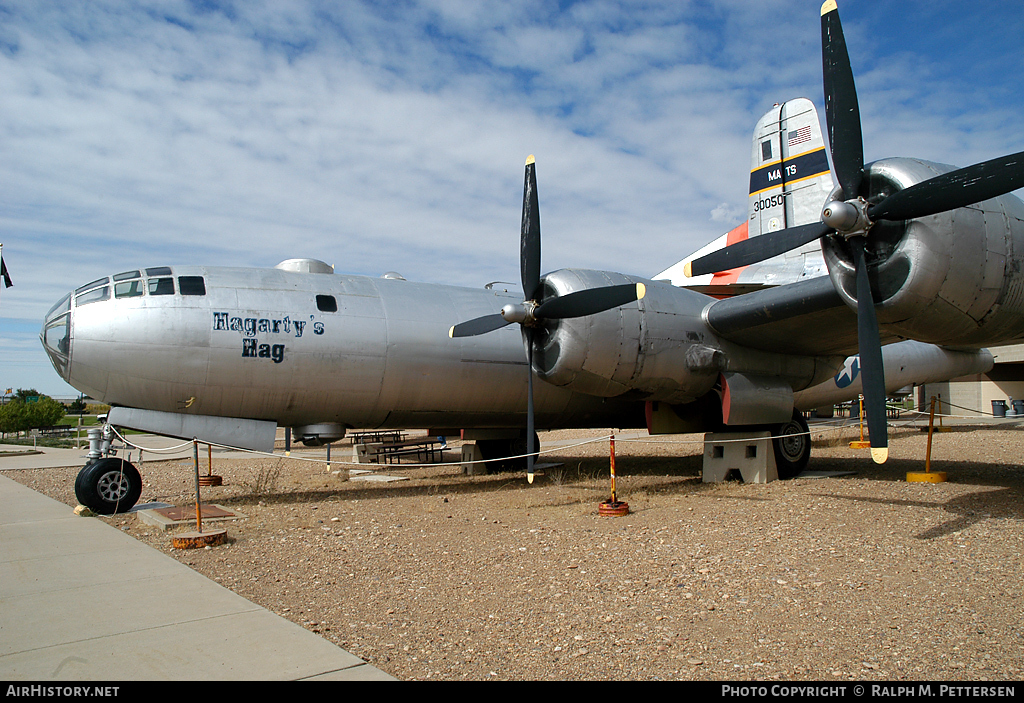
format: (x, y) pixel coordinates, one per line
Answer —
(57, 325)
(56, 336)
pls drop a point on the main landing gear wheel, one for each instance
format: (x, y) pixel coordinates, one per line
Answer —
(108, 486)
(494, 452)
(792, 446)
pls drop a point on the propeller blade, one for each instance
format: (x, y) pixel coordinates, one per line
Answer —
(589, 302)
(869, 345)
(755, 249)
(530, 448)
(842, 112)
(529, 243)
(479, 325)
(959, 188)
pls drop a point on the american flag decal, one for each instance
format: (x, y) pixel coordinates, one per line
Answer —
(800, 136)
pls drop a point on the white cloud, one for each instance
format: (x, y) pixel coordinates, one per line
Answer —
(727, 213)
(383, 139)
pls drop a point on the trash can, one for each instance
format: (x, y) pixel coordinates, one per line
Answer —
(1018, 407)
(998, 408)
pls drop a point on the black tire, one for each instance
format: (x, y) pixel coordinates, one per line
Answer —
(792, 446)
(108, 486)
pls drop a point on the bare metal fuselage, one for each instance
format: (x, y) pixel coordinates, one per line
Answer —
(258, 345)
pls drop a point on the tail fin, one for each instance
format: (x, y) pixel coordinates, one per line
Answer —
(789, 183)
(789, 173)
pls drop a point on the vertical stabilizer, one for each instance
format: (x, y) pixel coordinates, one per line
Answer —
(789, 184)
(789, 173)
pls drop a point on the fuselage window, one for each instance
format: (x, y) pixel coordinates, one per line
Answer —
(97, 282)
(161, 286)
(159, 271)
(128, 289)
(326, 303)
(191, 285)
(93, 296)
(126, 275)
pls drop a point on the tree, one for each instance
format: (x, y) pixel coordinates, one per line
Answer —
(19, 414)
(12, 416)
(46, 412)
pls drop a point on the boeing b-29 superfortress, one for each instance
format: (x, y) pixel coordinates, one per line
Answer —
(919, 257)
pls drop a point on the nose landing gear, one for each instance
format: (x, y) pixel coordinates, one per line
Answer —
(107, 485)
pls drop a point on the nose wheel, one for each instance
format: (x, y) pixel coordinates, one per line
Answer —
(108, 486)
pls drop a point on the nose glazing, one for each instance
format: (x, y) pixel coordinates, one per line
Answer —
(56, 336)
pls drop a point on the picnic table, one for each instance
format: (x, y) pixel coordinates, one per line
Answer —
(376, 436)
(424, 448)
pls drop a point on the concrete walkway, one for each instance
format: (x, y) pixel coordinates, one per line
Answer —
(80, 600)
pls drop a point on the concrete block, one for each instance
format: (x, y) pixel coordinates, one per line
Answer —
(471, 453)
(364, 453)
(750, 453)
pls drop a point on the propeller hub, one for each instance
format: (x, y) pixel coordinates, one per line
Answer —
(521, 313)
(849, 218)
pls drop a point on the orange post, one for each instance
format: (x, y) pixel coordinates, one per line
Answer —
(613, 507)
(862, 443)
(931, 429)
(613, 468)
(928, 476)
(195, 455)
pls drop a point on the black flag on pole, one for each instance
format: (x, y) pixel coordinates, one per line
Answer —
(3, 272)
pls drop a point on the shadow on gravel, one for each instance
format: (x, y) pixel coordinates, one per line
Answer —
(667, 475)
(970, 509)
(977, 473)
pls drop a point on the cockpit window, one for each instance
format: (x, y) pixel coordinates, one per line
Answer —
(97, 282)
(159, 271)
(93, 296)
(161, 286)
(63, 306)
(126, 276)
(128, 289)
(191, 285)
(57, 342)
(326, 303)
(56, 335)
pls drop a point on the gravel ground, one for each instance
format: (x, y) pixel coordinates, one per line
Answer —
(444, 576)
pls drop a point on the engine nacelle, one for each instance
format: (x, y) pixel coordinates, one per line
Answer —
(954, 277)
(659, 348)
(653, 348)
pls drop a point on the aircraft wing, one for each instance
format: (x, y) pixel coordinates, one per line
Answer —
(808, 317)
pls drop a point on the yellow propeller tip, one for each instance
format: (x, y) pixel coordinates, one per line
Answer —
(641, 291)
(879, 454)
(451, 332)
(829, 6)
(529, 477)
(688, 269)
(530, 159)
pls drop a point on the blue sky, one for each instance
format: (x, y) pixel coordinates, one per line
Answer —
(392, 136)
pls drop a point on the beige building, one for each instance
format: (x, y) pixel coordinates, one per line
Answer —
(973, 395)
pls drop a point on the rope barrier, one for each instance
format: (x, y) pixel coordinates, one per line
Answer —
(834, 425)
(539, 452)
(149, 449)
